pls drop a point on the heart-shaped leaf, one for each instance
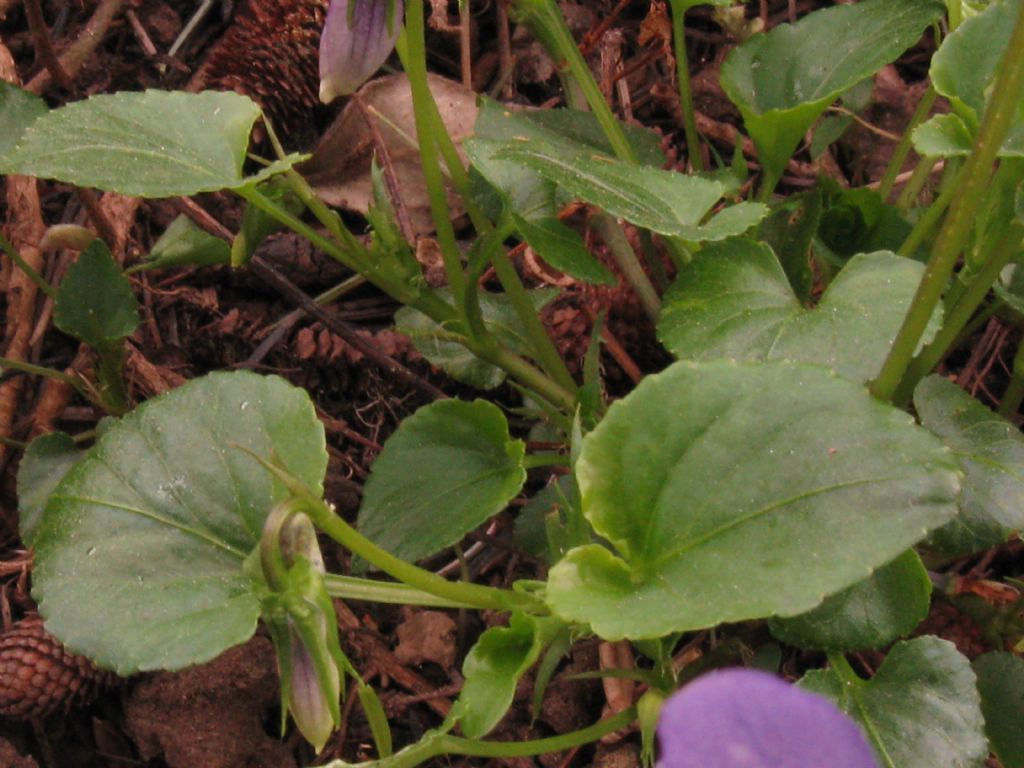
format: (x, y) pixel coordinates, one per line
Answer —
(446, 469)
(736, 491)
(871, 614)
(782, 81)
(990, 450)
(734, 300)
(920, 710)
(139, 554)
(150, 144)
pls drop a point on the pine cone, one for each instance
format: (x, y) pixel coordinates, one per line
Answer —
(38, 677)
(271, 55)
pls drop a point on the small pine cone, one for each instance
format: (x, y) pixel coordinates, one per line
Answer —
(38, 677)
(271, 54)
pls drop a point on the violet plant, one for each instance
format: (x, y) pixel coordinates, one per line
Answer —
(771, 474)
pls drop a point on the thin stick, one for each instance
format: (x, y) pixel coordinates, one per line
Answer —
(44, 47)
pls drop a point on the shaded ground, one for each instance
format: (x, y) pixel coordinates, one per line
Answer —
(225, 714)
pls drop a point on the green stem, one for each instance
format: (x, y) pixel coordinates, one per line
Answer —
(369, 590)
(1014, 393)
(962, 310)
(50, 373)
(928, 221)
(547, 354)
(685, 88)
(902, 150)
(38, 280)
(958, 224)
(618, 245)
(548, 25)
(415, 63)
(472, 595)
(436, 743)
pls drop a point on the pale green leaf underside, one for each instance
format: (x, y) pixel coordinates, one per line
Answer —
(139, 554)
(783, 486)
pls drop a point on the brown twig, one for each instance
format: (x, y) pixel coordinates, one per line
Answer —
(262, 269)
(24, 229)
(44, 47)
(88, 41)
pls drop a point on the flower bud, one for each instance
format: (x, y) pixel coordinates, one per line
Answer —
(358, 37)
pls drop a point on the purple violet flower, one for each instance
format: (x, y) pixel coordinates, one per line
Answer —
(358, 37)
(741, 718)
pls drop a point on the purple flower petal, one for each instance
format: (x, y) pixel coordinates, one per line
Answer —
(740, 718)
(356, 41)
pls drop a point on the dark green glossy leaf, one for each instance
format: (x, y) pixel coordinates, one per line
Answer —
(183, 244)
(46, 461)
(442, 349)
(139, 554)
(1001, 686)
(492, 668)
(783, 80)
(784, 486)
(94, 302)
(990, 451)
(920, 710)
(18, 110)
(860, 221)
(733, 300)
(872, 613)
(151, 144)
(446, 469)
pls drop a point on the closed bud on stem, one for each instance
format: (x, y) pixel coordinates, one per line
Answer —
(301, 621)
(358, 37)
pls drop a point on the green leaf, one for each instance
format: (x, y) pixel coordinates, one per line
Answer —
(733, 300)
(784, 486)
(94, 302)
(183, 244)
(443, 349)
(990, 451)
(943, 136)
(492, 668)
(446, 469)
(1001, 686)
(665, 202)
(563, 249)
(782, 81)
(151, 144)
(871, 614)
(789, 231)
(920, 710)
(139, 554)
(18, 110)
(47, 459)
(860, 221)
(964, 70)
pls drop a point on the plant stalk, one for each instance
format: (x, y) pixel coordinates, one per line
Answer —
(957, 226)
(693, 152)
